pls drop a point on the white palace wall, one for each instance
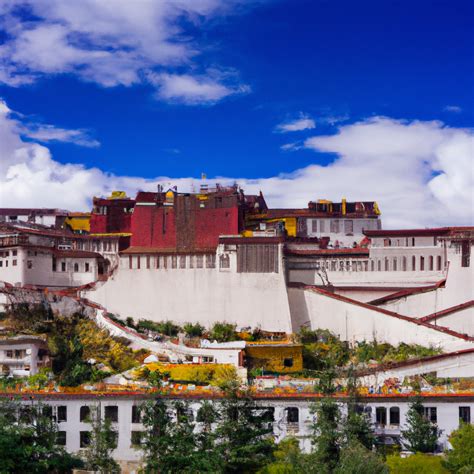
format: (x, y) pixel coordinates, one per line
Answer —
(204, 295)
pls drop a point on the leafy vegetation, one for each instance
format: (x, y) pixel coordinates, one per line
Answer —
(461, 458)
(223, 332)
(193, 330)
(28, 443)
(168, 328)
(365, 352)
(420, 435)
(416, 464)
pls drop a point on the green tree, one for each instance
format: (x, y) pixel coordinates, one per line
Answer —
(326, 431)
(193, 330)
(243, 432)
(223, 332)
(355, 458)
(416, 464)
(420, 435)
(102, 442)
(357, 426)
(28, 441)
(461, 458)
(288, 459)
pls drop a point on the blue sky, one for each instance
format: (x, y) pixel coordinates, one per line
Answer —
(302, 99)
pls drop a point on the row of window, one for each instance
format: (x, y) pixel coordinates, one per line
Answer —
(337, 226)
(14, 263)
(177, 261)
(77, 267)
(422, 263)
(6, 253)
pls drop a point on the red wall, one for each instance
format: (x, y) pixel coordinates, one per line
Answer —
(205, 227)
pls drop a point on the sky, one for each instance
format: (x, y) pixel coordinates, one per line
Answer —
(301, 99)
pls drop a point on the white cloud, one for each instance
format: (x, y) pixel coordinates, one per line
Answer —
(453, 108)
(50, 133)
(291, 146)
(110, 43)
(421, 173)
(304, 122)
(193, 90)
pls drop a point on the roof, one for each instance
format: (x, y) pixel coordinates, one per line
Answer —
(166, 251)
(76, 254)
(17, 211)
(355, 252)
(235, 239)
(281, 213)
(435, 231)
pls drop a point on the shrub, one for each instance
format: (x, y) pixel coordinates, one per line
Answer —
(223, 332)
(193, 330)
(461, 457)
(416, 464)
(167, 328)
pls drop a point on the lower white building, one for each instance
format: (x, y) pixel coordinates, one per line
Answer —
(22, 356)
(291, 416)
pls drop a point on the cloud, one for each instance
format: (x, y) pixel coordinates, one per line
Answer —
(304, 122)
(291, 146)
(109, 43)
(453, 108)
(193, 90)
(420, 173)
(50, 133)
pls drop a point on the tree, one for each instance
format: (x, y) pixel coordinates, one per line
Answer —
(326, 434)
(223, 332)
(357, 459)
(421, 435)
(416, 464)
(243, 433)
(288, 459)
(461, 458)
(357, 426)
(28, 441)
(103, 440)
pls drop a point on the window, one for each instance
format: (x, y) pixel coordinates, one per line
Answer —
(348, 227)
(63, 266)
(112, 439)
(1, 263)
(224, 261)
(211, 261)
(130, 262)
(62, 413)
(14, 263)
(136, 414)
(292, 415)
(148, 262)
(334, 225)
(430, 413)
(465, 414)
(386, 264)
(372, 265)
(404, 264)
(422, 264)
(84, 438)
(14, 253)
(182, 261)
(465, 253)
(314, 225)
(87, 267)
(394, 415)
(394, 265)
(136, 438)
(438, 263)
(174, 261)
(76, 267)
(413, 263)
(288, 362)
(111, 413)
(61, 438)
(379, 265)
(85, 413)
(157, 262)
(321, 226)
(431, 263)
(191, 261)
(138, 262)
(199, 261)
(413, 241)
(381, 416)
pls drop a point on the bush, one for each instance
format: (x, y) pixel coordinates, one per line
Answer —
(193, 330)
(163, 327)
(461, 457)
(223, 332)
(416, 464)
